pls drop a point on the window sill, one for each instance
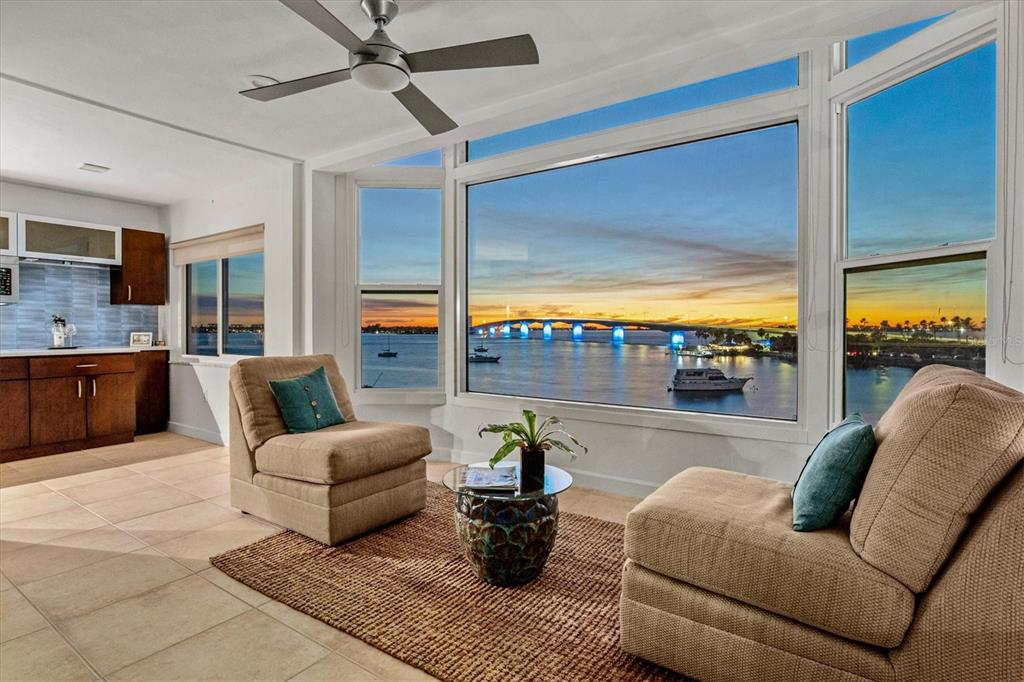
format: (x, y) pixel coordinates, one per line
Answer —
(731, 426)
(208, 360)
(398, 396)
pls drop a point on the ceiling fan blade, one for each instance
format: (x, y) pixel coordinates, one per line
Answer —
(512, 51)
(277, 90)
(426, 112)
(318, 15)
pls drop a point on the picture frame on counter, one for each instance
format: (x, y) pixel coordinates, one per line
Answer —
(140, 339)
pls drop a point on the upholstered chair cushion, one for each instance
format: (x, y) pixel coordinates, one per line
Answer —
(344, 452)
(257, 409)
(949, 438)
(833, 474)
(732, 534)
(306, 402)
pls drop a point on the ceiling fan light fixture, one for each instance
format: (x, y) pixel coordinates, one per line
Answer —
(380, 76)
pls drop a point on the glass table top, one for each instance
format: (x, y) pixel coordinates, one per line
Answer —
(555, 481)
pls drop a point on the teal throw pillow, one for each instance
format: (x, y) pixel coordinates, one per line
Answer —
(833, 474)
(307, 402)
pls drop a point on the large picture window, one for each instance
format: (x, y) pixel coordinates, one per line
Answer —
(920, 205)
(615, 280)
(399, 285)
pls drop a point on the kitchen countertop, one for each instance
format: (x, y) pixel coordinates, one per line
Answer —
(37, 352)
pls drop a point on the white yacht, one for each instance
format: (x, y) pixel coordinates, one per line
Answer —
(711, 379)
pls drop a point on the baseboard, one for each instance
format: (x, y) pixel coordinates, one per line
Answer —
(193, 432)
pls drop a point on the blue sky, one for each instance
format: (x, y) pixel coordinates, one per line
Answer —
(400, 236)
(922, 159)
(694, 232)
(707, 232)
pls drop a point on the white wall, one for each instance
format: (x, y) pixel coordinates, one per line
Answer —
(199, 389)
(58, 203)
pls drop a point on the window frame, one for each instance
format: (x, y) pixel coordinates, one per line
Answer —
(395, 177)
(929, 48)
(761, 111)
(221, 288)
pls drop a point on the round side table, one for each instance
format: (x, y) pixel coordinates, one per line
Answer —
(507, 535)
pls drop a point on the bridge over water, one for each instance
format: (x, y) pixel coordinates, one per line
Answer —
(522, 327)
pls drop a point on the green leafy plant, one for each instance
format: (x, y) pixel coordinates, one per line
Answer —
(529, 437)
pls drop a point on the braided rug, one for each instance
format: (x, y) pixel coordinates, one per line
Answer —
(407, 590)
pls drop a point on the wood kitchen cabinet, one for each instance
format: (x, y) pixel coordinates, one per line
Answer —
(57, 409)
(59, 403)
(142, 277)
(14, 403)
(110, 402)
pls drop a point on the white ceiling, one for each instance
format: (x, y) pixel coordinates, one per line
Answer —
(182, 63)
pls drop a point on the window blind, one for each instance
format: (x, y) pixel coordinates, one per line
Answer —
(221, 245)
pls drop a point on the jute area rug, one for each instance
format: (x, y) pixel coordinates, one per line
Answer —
(407, 590)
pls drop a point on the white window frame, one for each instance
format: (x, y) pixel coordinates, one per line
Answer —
(784, 106)
(952, 37)
(394, 177)
(221, 357)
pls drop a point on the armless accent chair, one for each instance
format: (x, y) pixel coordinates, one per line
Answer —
(331, 484)
(925, 581)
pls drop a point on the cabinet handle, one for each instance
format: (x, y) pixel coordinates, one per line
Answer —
(93, 388)
(129, 292)
(84, 366)
(79, 388)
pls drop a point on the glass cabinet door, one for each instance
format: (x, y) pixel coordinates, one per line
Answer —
(69, 240)
(8, 230)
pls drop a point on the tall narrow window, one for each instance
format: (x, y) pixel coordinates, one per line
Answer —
(201, 284)
(921, 187)
(400, 281)
(243, 304)
(612, 281)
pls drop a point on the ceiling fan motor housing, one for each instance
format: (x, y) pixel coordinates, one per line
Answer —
(380, 64)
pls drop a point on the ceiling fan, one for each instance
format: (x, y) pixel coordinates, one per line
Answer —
(379, 64)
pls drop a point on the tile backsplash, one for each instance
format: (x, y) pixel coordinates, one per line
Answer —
(81, 295)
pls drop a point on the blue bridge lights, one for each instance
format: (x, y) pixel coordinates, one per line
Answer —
(524, 330)
(577, 332)
(506, 330)
(618, 334)
(547, 331)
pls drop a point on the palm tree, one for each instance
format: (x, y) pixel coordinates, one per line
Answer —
(863, 323)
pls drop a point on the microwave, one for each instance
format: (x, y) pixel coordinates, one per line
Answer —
(8, 279)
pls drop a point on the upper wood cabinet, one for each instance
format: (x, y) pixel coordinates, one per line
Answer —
(142, 277)
(8, 233)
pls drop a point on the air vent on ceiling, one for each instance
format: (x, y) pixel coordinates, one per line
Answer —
(93, 168)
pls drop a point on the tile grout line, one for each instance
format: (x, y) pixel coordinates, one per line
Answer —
(60, 633)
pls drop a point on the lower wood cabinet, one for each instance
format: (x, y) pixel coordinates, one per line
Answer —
(14, 410)
(52, 404)
(57, 409)
(110, 404)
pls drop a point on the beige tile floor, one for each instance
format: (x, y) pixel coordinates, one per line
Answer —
(104, 574)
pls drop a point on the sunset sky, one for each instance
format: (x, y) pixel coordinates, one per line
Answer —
(706, 233)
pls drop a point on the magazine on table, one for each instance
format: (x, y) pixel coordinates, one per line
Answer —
(501, 478)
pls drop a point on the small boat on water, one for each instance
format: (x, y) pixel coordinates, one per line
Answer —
(710, 379)
(480, 357)
(480, 349)
(388, 353)
(698, 353)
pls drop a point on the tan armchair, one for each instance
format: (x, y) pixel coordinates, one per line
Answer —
(924, 581)
(331, 484)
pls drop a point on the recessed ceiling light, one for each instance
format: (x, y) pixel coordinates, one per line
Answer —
(258, 81)
(93, 168)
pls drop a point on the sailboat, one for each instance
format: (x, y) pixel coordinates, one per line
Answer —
(388, 353)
